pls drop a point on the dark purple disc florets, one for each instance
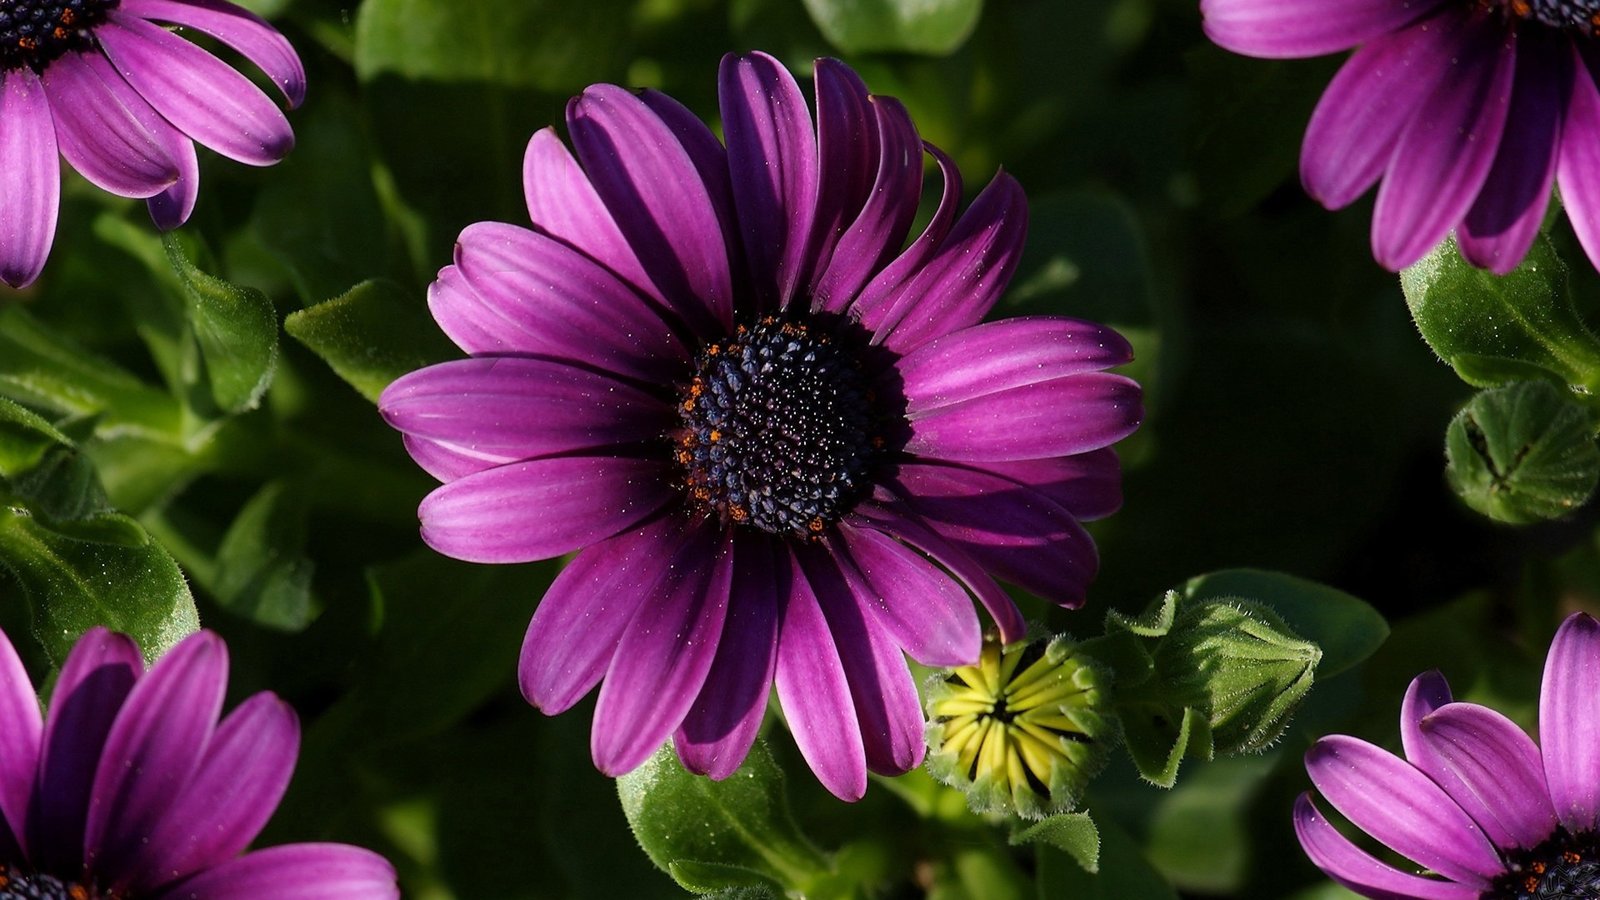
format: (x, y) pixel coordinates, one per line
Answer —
(16, 884)
(779, 430)
(35, 33)
(1564, 867)
(1579, 15)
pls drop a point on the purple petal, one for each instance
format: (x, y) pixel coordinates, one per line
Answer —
(446, 461)
(1354, 129)
(961, 282)
(1569, 713)
(922, 607)
(579, 623)
(527, 293)
(20, 730)
(1357, 870)
(876, 300)
(666, 651)
(881, 689)
(240, 29)
(1427, 692)
(244, 773)
(294, 872)
(1061, 417)
(659, 199)
(195, 91)
(543, 508)
(107, 131)
(173, 206)
(30, 177)
(94, 683)
(1503, 221)
(1299, 28)
(1087, 485)
(1578, 169)
(1400, 806)
(772, 158)
(1492, 770)
(815, 695)
(720, 728)
(847, 149)
(995, 356)
(151, 753)
(522, 407)
(1444, 155)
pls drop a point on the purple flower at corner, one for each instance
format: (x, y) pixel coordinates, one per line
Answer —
(125, 100)
(1475, 802)
(1467, 111)
(129, 788)
(783, 444)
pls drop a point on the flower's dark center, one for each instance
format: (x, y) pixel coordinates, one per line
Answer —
(15, 884)
(1580, 15)
(35, 33)
(1567, 866)
(779, 429)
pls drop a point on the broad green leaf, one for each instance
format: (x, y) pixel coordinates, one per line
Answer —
(1523, 453)
(235, 327)
(978, 870)
(1347, 629)
(702, 826)
(1125, 873)
(932, 27)
(25, 438)
(1075, 833)
(262, 570)
(1493, 329)
(371, 335)
(1199, 833)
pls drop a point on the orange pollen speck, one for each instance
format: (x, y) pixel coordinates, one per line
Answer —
(816, 525)
(1572, 856)
(738, 513)
(27, 43)
(68, 17)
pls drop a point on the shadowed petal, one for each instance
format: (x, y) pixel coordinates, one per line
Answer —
(815, 695)
(20, 728)
(1569, 713)
(173, 206)
(1578, 169)
(924, 608)
(1087, 485)
(240, 29)
(107, 131)
(1300, 28)
(1427, 692)
(542, 508)
(1492, 770)
(1052, 418)
(1357, 870)
(1397, 804)
(877, 300)
(294, 872)
(664, 655)
(30, 177)
(847, 149)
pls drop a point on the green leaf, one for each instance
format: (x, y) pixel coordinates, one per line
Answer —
(1523, 453)
(25, 438)
(1494, 329)
(1074, 833)
(371, 335)
(931, 27)
(1125, 873)
(262, 570)
(102, 570)
(1347, 629)
(692, 825)
(235, 327)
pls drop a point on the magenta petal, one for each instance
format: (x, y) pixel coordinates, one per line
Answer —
(30, 177)
(1353, 131)
(1578, 169)
(815, 695)
(1492, 770)
(1087, 485)
(1301, 28)
(995, 356)
(94, 683)
(876, 301)
(234, 791)
(173, 206)
(151, 753)
(772, 157)
(447, 461)
(1053, 418)
(922, 607)
(1397, 804)
(200, 94)
(720, 728)
(543, 508)
(21, 727)
(1445, 153)
(240, 29)
(522, 407)
(1427, 692)
(1357, 870)
(847, 149)
(579, 623)
(664, 656)
(294, 872)
(107, 131)
(1569, 714)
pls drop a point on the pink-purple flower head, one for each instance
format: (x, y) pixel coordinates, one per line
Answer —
(129, 788)
(1468, 111)
(1481, 808)
(778, 436)
(124, 100)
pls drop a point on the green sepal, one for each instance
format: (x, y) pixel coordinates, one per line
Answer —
(932, 27)
(1523, 453)
(1075, 833)
(1347, 629)
(235, 329)
(370, 335)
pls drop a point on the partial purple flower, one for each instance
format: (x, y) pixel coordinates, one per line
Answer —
(1467, 111)
(1481, 809)
(124, 100)
(129, 788)
(783, 444)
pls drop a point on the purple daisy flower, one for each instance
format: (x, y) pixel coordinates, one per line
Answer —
(130, 789)
(1483, 809)
(1468, 111)
(125, 100)
(783, 444)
